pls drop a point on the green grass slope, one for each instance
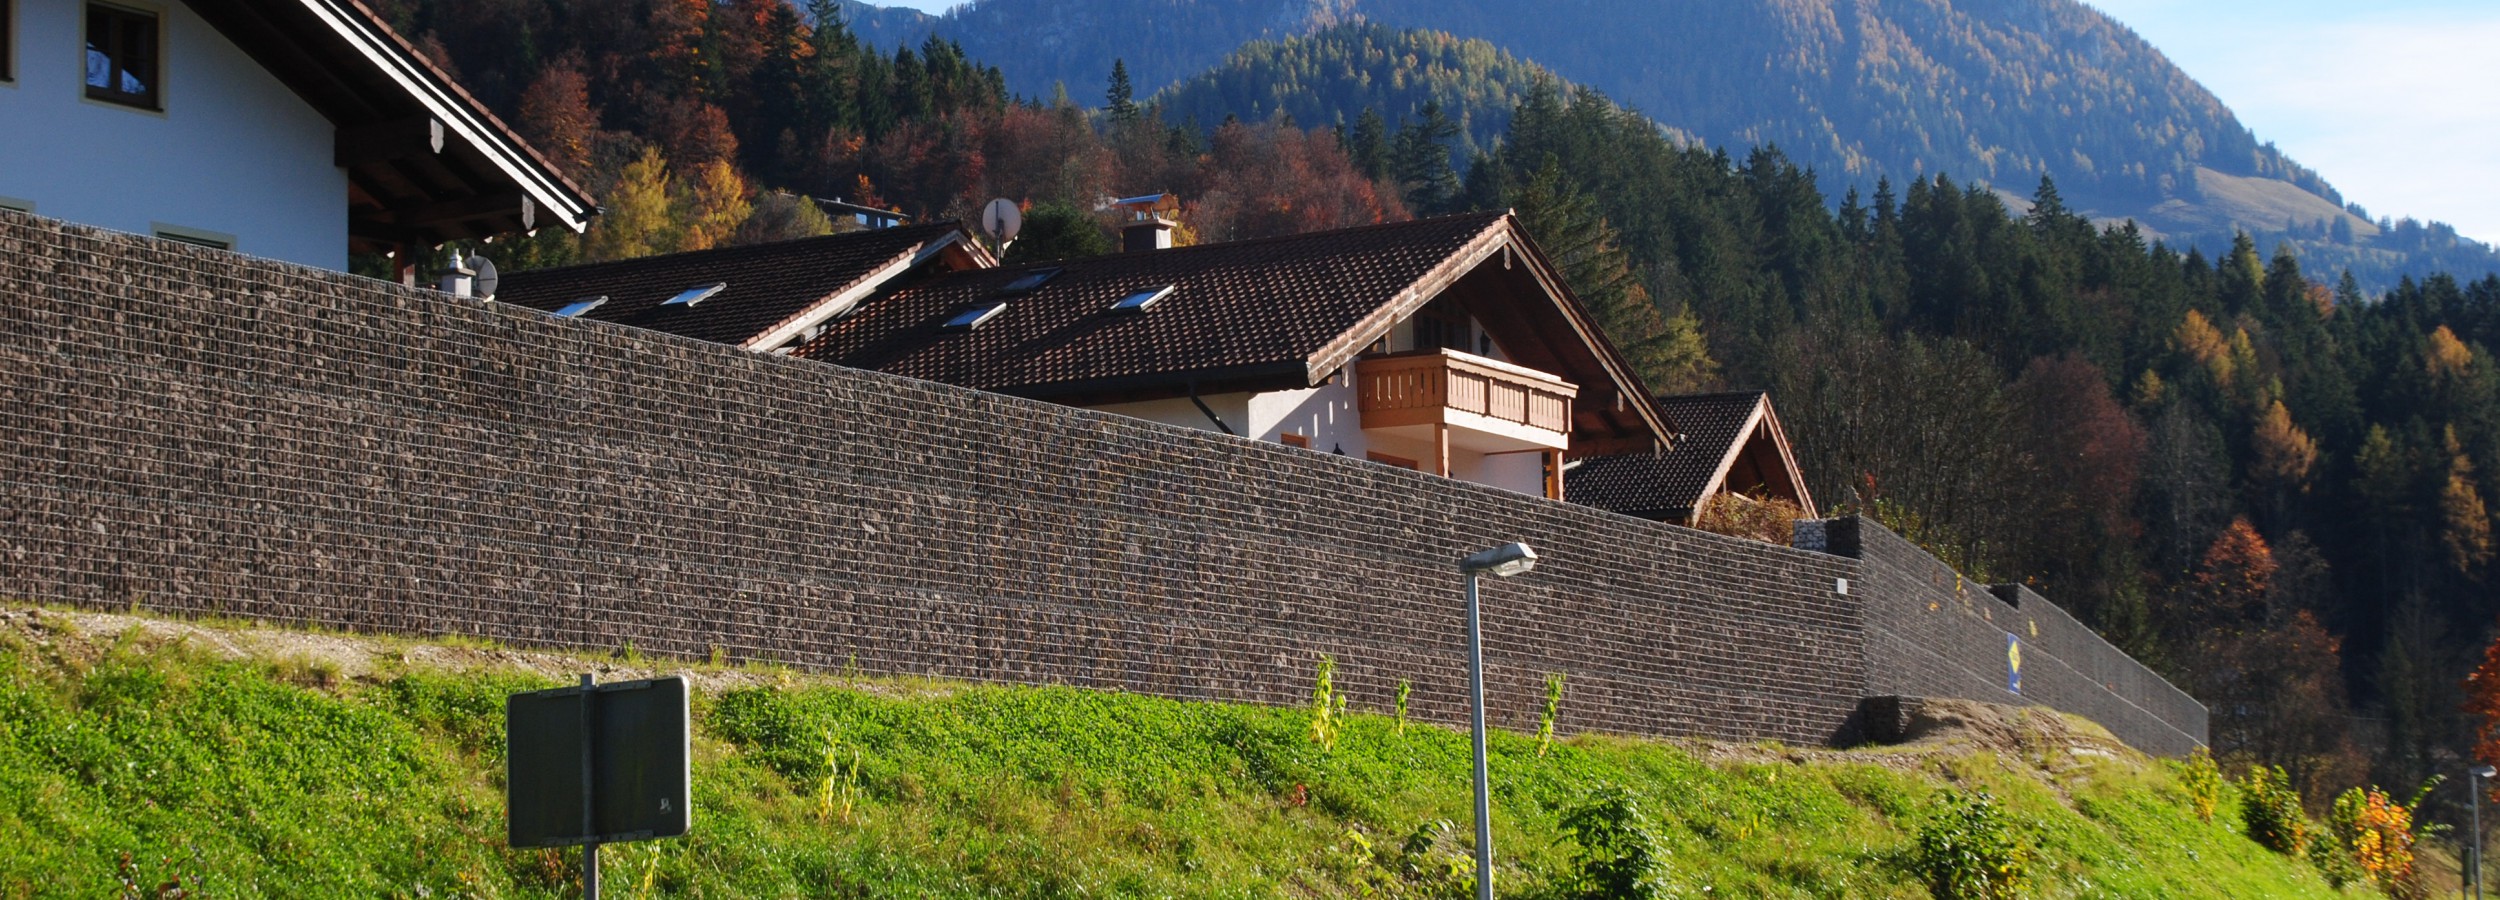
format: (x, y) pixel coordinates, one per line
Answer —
(238, 762)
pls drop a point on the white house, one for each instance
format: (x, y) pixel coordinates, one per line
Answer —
(299, 130)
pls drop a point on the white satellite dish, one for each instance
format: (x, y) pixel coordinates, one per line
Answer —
(1001, 220)
(483, 287)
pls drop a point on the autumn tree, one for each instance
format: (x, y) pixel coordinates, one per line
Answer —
(640, 218)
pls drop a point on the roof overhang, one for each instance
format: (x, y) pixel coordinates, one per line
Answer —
(955, 246)
(425, 161)
(1615, 412)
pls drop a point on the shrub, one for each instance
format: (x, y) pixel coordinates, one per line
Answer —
(1553, 708)
(2270, 808)
(2371, 835)
(1969, 851)
(1767, 519)
(1620, 856)
(2203, 781)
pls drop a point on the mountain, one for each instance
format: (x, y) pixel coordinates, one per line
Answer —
(1331, 76)
(1996, 92)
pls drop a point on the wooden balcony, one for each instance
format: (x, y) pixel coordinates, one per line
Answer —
(1464, 400)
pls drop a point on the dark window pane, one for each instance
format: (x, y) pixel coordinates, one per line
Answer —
(121, 55)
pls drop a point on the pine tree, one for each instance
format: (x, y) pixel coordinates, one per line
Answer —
(1123, 105)
(1669, 353)
(1421, 161)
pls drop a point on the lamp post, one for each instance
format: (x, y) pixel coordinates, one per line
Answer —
(2474, 793)
(1500, 562)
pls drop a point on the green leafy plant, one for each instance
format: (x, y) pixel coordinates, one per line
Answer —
(1968, 850)
(1620, 856)
(837, 793)
(2270, 810)
(1327, 706)
(1553, 707)
(1405, 689)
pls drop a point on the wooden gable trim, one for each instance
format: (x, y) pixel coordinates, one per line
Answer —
(1375, 325)
(1778, 434)
(1503, 235)
(443, 101)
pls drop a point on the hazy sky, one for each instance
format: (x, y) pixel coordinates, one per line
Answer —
(2396, 102)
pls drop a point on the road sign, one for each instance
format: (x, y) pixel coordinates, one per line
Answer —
(597, 764)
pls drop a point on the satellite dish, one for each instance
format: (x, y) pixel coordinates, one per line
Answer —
(483, 287)
(1001, 219)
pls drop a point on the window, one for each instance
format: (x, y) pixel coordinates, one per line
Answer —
(581, 306)
(122, 56)
(195, 237)
(694, 295)
(1029, 281)
(972, 318)
(1138, 302)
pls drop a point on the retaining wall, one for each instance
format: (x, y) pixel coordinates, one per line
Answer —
(192, 431)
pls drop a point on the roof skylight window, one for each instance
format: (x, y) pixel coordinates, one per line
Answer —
(694, 295)
(1140, 301)
(581, 306)
(1029, 281)
(972, 318)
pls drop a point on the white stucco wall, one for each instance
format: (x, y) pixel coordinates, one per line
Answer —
(234, 151)
(1329, 417)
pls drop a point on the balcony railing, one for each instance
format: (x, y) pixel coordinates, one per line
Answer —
(1493, 404)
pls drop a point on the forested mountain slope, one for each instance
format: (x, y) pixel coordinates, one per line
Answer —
(1995, 92)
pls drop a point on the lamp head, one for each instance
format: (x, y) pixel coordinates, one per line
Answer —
(1500, 562)
(2484, 771)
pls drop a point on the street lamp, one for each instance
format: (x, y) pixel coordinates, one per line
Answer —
(2474, 791)
(1500, 562)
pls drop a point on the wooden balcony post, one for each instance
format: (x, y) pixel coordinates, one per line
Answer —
(1553, 475)
(1441, 442)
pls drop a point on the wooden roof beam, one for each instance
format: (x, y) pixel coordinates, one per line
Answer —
(386, 141)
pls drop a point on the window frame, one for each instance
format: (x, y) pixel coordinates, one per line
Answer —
(196, 237)
(8, 42)
(153, 100)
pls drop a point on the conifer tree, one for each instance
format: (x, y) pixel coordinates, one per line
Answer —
(1121, 96)
(1669, 353)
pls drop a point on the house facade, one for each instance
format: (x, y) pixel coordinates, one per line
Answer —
(298, 130)
(1447, 346)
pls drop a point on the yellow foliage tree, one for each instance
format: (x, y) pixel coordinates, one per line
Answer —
(2465, 524)
(715, 202)
(2284, 453)
(638, 220)
(2201, 341)
(2446, 357)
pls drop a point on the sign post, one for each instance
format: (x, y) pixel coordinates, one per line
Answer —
(597, 764)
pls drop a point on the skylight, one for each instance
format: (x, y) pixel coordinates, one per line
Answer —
(972, 318)
(1031, 280)
(1138, 302)
(694, 295)
(581, 306)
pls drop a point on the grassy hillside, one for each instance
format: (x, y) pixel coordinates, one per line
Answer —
(250, 762)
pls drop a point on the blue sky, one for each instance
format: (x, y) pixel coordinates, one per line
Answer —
(2396, 102)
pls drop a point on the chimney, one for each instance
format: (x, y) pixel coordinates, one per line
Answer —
(459, 280)
(1146, 232)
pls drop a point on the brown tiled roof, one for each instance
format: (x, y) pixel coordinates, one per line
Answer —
(1273, 309)
(766, 284)
(1667, 485)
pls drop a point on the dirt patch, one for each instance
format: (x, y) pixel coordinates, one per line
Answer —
(78, 638)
